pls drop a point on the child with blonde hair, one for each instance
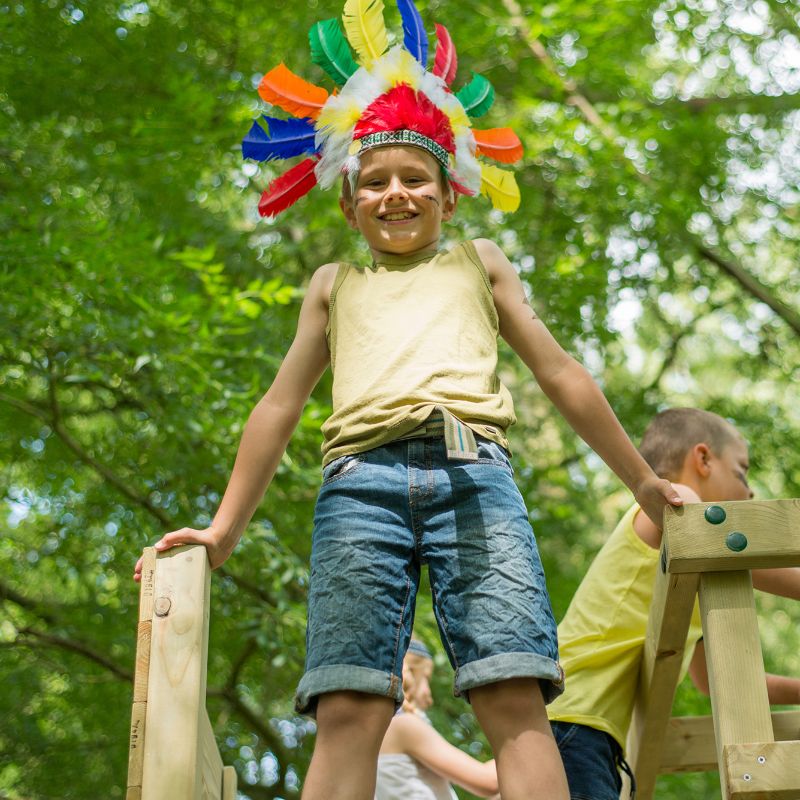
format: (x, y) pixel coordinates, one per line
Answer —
(415, 761)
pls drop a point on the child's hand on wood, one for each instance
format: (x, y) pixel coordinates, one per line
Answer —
(653, 495)
(217, 546)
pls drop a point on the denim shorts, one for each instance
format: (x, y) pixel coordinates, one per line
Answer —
(379, 516)
(591, 759)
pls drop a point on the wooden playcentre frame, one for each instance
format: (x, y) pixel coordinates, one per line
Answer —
(709, 549)
(173, 754)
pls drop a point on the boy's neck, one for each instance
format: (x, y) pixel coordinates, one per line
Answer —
(410, 257)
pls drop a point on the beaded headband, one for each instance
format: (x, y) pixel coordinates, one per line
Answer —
(387, 98)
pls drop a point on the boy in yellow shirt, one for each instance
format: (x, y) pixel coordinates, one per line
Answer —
(601, 638)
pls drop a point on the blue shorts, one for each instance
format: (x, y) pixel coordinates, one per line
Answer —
(591, 759)
(383, 513)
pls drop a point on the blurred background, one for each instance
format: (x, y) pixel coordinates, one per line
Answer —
(144, 308)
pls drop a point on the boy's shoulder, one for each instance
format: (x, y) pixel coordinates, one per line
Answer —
(321, 284)
(493, 258)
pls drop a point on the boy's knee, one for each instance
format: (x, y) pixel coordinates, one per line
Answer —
(353, 710)
(509, 699)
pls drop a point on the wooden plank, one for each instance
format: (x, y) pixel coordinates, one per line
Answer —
(136, 746)
(771, 527)
(141, 670)
(667, 627)
(147, 584)
(739, 701)
(177, 679)
(689, 744)
(763, 771)
(229, 783)
(134, 793)
(210, 762)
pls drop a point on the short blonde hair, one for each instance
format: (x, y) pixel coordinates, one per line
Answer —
(672, 433)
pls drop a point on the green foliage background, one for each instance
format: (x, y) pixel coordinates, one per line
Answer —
(145, 308)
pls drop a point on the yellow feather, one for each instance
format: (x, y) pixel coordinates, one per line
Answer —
(365, 29)
(398, 67)
(340, 118)
(501, 187)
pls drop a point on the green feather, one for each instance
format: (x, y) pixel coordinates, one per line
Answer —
(477, 96)
(329, 50)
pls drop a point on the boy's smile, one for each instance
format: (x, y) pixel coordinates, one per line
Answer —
(398, 204)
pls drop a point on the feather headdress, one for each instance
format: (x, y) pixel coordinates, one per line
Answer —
(385, 96)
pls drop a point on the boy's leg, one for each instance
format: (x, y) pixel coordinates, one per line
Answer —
(350, 729)
(590, 758)
(513, 717)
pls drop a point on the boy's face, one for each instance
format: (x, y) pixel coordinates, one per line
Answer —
(398, 204)
(727, 473)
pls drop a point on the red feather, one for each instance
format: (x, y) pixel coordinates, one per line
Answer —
(288, 188)
(401, 108)
(445, 62)
(501, 144)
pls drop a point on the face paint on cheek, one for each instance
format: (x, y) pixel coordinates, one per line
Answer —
(431, 198)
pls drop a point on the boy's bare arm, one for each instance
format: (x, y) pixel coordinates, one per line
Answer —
(570, 387)
(268, 430)
(782, 690)
(782, 581)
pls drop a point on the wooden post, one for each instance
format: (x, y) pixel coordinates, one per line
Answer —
(141, 671)
(690, 746)
(670, 615)
(736, 677)
(173, 755)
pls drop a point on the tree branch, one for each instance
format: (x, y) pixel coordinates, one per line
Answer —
(575, 97)
(74, 646)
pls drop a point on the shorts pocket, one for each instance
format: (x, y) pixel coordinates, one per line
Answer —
(490, 452)
(339, 468)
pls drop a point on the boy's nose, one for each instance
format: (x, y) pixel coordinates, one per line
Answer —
(395, 190)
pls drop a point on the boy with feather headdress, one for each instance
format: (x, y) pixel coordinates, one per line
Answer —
(416, 468)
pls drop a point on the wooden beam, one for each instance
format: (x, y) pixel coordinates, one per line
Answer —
(689, 744)
(771, 530)
(177, 677)
(763, 771)
(739, 701)
(668, 625)
(210, 761)
(141, 670)
(229, 783)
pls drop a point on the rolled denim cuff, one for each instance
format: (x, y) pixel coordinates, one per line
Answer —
(345, 677)
(511, 665)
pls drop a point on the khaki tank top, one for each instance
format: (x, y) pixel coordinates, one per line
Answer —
(409, 334)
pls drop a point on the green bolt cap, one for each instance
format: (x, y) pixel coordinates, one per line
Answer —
(715, 515)
(736, 541)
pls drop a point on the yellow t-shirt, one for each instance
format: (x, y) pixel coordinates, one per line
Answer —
(406, 335)
(601, 638)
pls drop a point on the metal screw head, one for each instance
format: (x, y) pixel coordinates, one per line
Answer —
(715, 515)
(736, 541)
(747, 776)
(761, 760)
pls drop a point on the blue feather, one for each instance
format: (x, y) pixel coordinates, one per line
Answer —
(415, 39)
(286, 138)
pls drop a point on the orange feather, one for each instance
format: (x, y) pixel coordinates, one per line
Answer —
(501, 144)
(281, 87)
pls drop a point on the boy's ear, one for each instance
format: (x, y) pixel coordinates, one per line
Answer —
(449, 202)
(700, 456)
(349, 212)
